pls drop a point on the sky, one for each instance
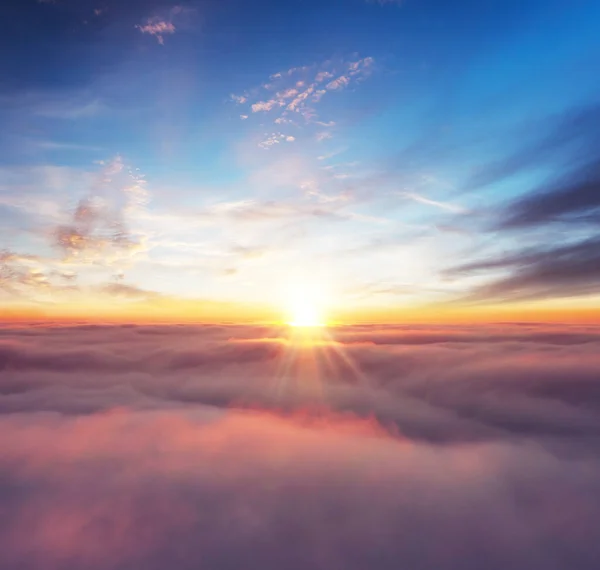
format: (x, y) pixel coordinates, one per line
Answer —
(301, 285)
(226, 160)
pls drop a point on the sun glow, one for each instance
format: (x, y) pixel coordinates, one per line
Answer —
(304, 305)
(306, 315)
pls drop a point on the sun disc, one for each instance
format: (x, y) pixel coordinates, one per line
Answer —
(305, 314)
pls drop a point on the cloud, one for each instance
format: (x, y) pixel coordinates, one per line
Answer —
(254, 210)
(323, 135)
(442, 205)
(205, 498)
(566, 140)
(127, 291)
(339, 83)
(97, 230)
(100, 235)
(539, 273)
(158, 28)
(504, 372)
(568, 202)
(131, 446)
(322, 76)
(18, 273)
(275, 138)
(574, 199)
(296, 90)
(58, 146)
(264, 106)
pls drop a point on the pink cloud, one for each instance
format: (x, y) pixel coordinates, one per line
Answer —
(130, 446)
(263, 106)
(157, 28)
(127, 489)
(296, 90)
(338, 83)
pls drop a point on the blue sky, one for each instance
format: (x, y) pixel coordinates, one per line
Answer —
(389, 154)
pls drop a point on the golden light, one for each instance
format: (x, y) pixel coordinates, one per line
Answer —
(304, 314)
(304, 305)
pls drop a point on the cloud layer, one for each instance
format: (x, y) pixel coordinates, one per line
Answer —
(228, 446)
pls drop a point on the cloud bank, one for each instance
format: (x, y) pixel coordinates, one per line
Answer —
(229, 446)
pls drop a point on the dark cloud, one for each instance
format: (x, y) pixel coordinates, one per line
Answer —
(568, 204)
(575, 199)
(562, 271)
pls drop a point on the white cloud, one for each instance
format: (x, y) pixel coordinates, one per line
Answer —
(442, 205)
(275, 138)
(323, 135)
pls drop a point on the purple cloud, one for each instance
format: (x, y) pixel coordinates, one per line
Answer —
(129, 446)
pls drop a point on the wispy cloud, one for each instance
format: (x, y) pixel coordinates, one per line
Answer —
(164, 22)
(574, 199)
(296, 91)
(449, 207)
(58, 146)
(157, 28)
(122, 290)
(95, 238)
(19, 273)
(69, 109)
(98, 229)
(567, 201)
(254, 210)
(537, 273)
(275, 138)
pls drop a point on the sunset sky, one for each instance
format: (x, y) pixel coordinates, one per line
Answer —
(300, 285)
(219, 160)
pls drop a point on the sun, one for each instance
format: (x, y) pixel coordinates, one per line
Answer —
(304, 304)
(305, 314)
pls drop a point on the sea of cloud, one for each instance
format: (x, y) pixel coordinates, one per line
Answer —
(365, 447)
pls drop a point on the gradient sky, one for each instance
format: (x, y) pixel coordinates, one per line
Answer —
(219, 157)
